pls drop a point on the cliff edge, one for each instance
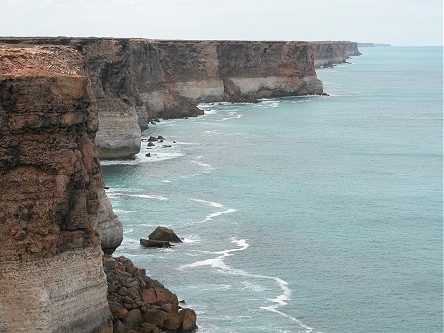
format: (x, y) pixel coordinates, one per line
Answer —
(50, 179)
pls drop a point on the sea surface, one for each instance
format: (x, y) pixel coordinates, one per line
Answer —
(303, 214)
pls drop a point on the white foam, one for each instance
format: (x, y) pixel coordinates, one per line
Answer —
(211, 203)
(218, 262)
(118, 210)
(119, 190)
(254, 287)
(166, 181)
(146, 196)
(211, 216)
(202, 164)
(234, 117)
(307, 329)
(211, 111)
(191, 239)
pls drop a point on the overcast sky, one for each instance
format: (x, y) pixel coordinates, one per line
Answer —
(398, 22)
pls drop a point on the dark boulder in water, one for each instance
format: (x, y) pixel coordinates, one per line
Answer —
(164, 234)
(154, 243)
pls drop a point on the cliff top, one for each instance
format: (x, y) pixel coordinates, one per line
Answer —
(62, 40)
(39, 60)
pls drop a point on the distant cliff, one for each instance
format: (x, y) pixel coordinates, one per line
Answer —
(136, 80)
(371, 44)
(326, 54)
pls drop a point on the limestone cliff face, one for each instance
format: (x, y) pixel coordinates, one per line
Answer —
(135, 80)
(51, 184)
(238, 70)
(326, 54)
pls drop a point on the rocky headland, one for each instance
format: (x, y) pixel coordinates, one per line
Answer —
(55, 218)
(136, 80)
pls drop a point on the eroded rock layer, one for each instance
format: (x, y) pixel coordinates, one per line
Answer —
(50, 178)
(135, 80)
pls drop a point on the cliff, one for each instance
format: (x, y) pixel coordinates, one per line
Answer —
(137, 80)
(326, 54)
(50, 180)
(55, 218)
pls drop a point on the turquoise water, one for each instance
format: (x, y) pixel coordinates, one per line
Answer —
(305, 214)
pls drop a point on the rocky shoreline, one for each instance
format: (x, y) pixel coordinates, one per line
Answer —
(141, 304)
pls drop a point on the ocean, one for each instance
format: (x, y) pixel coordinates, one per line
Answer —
(301, 214)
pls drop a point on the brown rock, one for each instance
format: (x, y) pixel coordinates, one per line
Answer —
(117, 310)
(133, 318)
(119, 327)
(132, 283)
(164, 234)
(155, 317)
(150, 328)
(149, 295)
(188, 317)
(172, 322)
(122, 291)
(109, 263)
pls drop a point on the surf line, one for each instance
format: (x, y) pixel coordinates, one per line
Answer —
(211, 216)
(219, 264)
